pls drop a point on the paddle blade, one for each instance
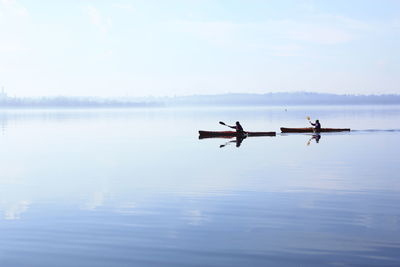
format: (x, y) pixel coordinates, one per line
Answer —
(221, 122)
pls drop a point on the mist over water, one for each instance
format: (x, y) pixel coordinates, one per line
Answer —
(136, 187)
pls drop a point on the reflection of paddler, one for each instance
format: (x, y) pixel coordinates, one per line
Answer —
(316, 137)
(238, 140)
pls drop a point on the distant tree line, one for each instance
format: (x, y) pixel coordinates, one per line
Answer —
(270, 99)
(72, 102)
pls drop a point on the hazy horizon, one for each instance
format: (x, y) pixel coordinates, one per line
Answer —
(216, 100)
(160, 48)
(10, 95)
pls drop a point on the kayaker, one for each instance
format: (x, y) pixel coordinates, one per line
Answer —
(238, 128)
(317, 126)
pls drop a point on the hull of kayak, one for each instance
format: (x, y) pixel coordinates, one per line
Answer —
(230, 134)
(311, 130)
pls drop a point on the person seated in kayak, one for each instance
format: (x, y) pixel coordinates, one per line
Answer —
(317, 126)
(238, 128)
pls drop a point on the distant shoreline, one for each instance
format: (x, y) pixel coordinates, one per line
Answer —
(221, 100)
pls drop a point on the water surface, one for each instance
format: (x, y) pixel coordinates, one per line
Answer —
(137, 188)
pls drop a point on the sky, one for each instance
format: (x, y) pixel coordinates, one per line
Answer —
(134, 48)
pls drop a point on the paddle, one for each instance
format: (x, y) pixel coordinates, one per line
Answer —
(309, 119)
(223, 145)
(223, 123)
(309, 142)
(233, 127)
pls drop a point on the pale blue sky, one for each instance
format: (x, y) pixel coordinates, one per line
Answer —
(182, 47)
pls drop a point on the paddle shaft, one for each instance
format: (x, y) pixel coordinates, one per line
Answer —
(223, 123)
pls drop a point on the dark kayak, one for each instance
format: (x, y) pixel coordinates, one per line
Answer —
(312, 130)
(229, 134)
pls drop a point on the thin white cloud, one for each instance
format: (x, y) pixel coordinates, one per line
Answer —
(124, 6)
(314, 33)
(12, 7)
(94, 15)
(322, 30)
(97, 19)
(220, 33)
(14, 26)
(288, 50)
(12, 47)
(344, 22)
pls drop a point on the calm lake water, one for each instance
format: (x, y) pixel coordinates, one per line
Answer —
(138, 188)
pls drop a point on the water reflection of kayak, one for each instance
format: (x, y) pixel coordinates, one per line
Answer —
(228, 134)
(312, 130)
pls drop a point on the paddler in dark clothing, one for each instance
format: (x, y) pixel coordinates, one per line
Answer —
(317, 126)
(238, 128)
(241, 134)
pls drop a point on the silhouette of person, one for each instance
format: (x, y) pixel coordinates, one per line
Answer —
(238, 128)
(317, 126)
